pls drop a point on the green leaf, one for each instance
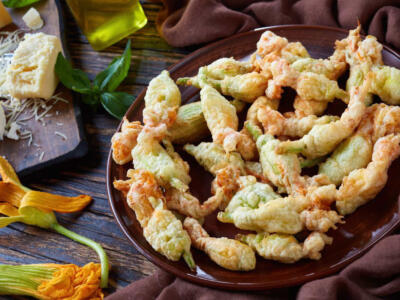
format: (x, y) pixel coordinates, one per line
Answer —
(109, 79)
(18, 3)
(73, 79)
(116, 103)
(91, 99)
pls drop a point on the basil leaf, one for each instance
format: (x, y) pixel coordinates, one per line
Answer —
(18, 3)
(116, 103)
(90, 99)
(109, 79)
(73, 79)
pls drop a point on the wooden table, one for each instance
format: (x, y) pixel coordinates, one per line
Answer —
(20, 244)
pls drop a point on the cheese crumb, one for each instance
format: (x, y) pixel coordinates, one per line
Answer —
(32, 19)
(12, 132)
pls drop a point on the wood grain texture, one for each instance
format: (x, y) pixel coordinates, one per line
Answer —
(26, 244)
(65, 117)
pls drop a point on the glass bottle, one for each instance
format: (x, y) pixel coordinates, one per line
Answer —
(105, 22)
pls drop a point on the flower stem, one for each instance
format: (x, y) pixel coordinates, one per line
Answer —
(90, 243)
(253, 129)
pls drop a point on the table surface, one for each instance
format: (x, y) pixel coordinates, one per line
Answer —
(20, 244)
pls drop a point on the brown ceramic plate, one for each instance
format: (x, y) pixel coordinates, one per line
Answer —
(361, 231)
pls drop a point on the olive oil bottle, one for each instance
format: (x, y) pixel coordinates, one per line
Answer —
(105, 22)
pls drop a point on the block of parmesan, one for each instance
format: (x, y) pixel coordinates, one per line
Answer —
(5, 17)
(32, 19)
(31, 71)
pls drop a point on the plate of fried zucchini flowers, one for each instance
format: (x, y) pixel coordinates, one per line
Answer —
(264, 160)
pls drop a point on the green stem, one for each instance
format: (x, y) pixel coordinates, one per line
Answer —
(311, 162)
(183, 80)
(253, 129)
(90, 243)
(187, 256)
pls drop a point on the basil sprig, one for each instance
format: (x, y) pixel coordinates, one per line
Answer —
(18, 3)
(102, 89)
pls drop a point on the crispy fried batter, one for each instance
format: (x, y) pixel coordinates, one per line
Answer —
(166, 165)
(355, 152)
(275, 123)
(323, 139)
(260, 103)
(161, 228)
(224, 187)
(162, 101)
(285, 248)
(283, 215)
(362, 185)
(222, 121)
(283, 170)
(227, 253)
(123, 142)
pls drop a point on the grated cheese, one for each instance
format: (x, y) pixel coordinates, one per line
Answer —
(2, 122)
(61, 135)
(23, 110)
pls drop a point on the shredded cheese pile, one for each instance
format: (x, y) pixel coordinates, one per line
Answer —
(18, 112)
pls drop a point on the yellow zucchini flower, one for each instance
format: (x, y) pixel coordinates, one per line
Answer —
(21, 204)
(52, 281)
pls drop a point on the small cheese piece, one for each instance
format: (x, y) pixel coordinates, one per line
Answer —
(32, 19)
(13, 131)
(5, 17)
(31, 71)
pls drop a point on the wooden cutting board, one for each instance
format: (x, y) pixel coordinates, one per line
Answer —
(65, 117)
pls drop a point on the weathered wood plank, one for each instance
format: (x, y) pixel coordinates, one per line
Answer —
(20, 244)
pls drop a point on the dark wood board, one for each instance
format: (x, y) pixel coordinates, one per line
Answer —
(364, 228)
(67, 120)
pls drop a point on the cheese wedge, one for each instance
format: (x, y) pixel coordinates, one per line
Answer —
(32, 19)
(31, 71)
(5, 17)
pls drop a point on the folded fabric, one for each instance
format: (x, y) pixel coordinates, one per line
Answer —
(184, 23)
(375, 275)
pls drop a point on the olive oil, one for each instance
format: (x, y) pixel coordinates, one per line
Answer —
(105, 22)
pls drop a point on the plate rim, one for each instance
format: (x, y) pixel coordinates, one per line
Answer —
(159, 262)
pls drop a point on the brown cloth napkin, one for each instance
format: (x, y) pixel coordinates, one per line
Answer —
(183, 23)
(376, 275)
